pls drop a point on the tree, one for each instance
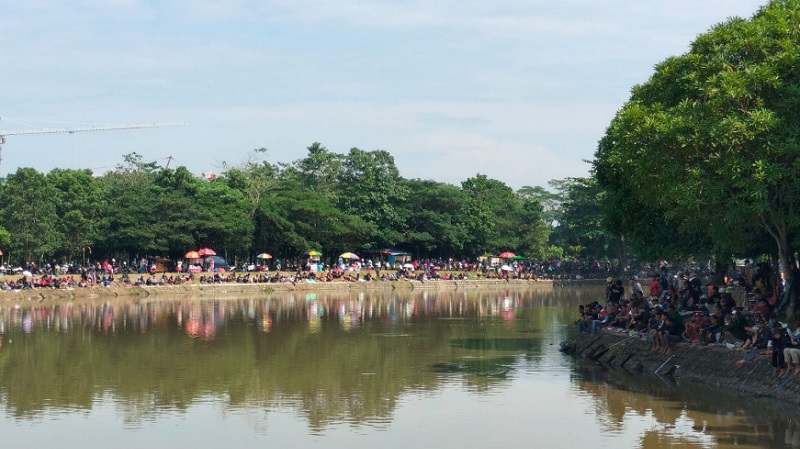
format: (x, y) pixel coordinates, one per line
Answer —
(134, 223)
(550, 201)
(583, 223)
(320, 171)
(371, 188)
(509, 222)
(290, 222)
(28, 212)
(81, 206)
(435, 218)
(254, 178)
(717, 127)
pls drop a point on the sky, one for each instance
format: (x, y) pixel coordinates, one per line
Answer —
(520, 90)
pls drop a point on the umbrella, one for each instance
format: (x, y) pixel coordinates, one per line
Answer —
(314, 252)
(349, 256)
(505, 268)
(264, 256)
(1, 253)
(27, 273)
(408, 265)
(506, 255)
(192, 255)
(437, 267)
(518, 257)
(206, 252)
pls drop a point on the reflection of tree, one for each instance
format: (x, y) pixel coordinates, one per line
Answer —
(699, 417)
(154, 356)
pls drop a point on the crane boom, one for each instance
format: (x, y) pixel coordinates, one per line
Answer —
(3, 134)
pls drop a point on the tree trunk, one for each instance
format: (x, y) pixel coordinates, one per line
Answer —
(780, 234)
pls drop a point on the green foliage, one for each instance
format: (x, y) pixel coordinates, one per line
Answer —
(325, 201)
(704, 157)
(81, 206)
(28, 213)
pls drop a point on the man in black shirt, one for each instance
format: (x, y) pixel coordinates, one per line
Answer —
(615, 293)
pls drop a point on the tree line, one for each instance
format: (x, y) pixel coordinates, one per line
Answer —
(326, 201)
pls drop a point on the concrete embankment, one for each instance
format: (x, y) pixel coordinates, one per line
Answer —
(216, 290)
(706, 365)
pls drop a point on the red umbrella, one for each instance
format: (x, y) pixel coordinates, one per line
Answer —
(206, 252)
(506, 255)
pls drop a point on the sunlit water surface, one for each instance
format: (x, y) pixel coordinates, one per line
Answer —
(454, 369)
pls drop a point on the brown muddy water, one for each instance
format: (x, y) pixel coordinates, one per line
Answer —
(449, 369)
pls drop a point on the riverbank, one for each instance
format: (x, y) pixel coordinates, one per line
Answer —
(711, 366)
(225, 288)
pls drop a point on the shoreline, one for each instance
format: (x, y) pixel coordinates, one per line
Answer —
(709, 366)
(197, 289)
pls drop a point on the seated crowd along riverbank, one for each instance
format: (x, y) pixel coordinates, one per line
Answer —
(91, 279)
(686, 313)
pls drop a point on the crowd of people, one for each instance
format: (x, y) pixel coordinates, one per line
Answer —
(682, 309)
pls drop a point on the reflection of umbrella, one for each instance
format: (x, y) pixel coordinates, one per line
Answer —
(505, 268)
(27, 273)
(349, 256)
(314, 252)
(192, 255)
(206, 252)
(506, 255)
(264, 256)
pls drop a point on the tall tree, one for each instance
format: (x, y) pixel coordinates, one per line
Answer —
(134, 224)
(372, 189)
(550, 201)
(435, 218)
(28, 212)
(320, 171)
(717, 127)
(254, 178)
(81, 205)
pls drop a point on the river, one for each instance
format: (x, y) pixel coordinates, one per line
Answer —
(387, 369)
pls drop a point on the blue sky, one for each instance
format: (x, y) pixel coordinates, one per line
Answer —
(520, 91)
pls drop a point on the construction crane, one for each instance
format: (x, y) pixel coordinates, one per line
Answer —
(4, 134)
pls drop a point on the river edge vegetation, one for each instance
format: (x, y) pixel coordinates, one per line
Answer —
(701, 164)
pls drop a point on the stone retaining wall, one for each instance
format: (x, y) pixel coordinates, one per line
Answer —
(708, 365)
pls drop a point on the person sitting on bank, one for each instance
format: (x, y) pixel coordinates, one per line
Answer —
(791, 355)
(758, 336)
(778, 341)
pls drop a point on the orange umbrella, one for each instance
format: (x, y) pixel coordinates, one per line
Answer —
(192, 255)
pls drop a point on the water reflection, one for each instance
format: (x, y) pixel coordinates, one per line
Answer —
(330, 357)
(203, 318)
(674, 414)
(451, 369)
